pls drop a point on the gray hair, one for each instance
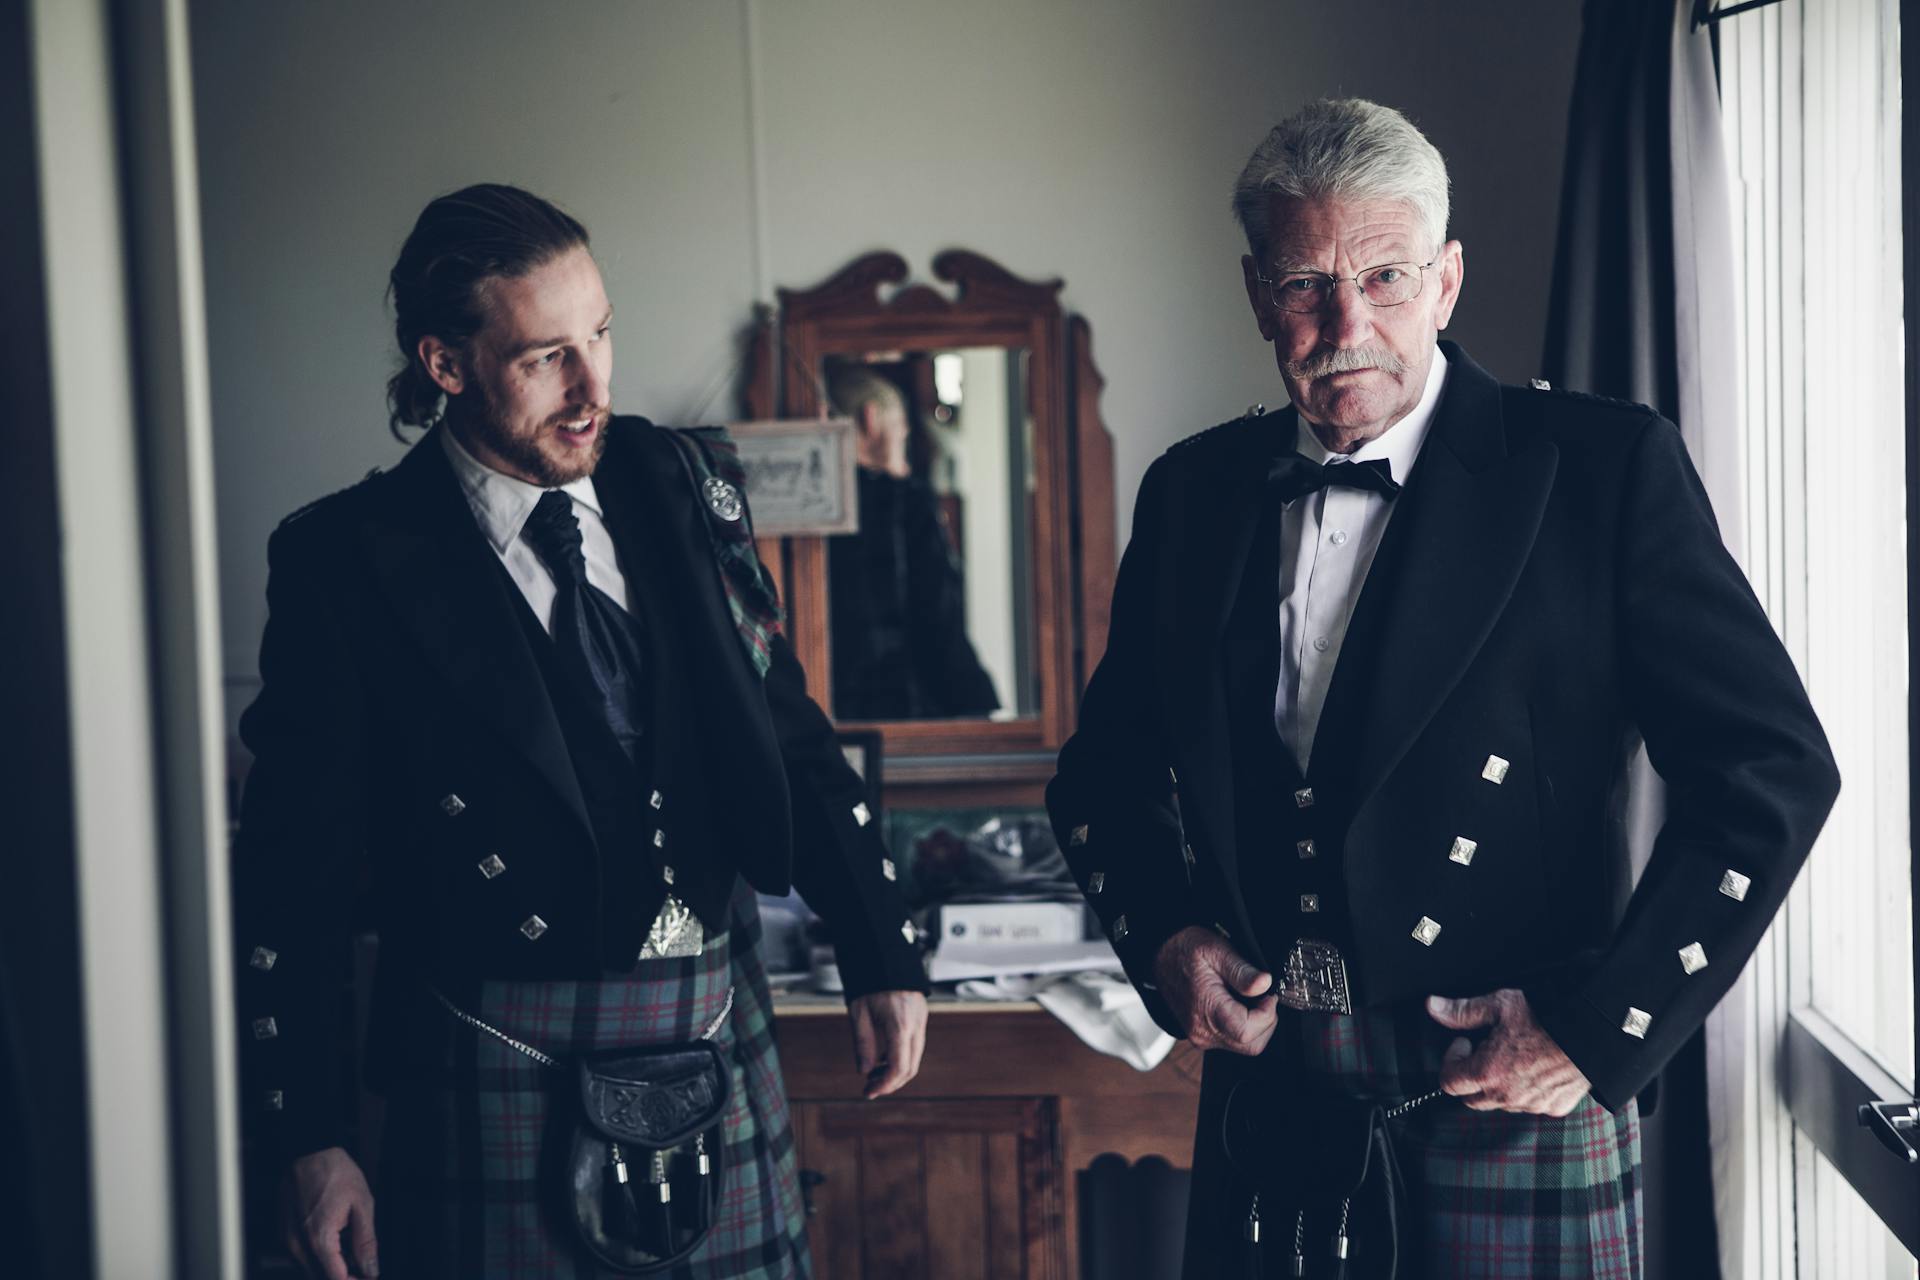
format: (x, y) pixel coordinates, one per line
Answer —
(1348, 148)
(854, 386)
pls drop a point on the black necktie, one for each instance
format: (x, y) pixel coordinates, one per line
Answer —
(598, 644)
(1294, 476)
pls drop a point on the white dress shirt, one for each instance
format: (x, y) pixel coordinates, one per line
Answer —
(501, 504)
(1327, 542)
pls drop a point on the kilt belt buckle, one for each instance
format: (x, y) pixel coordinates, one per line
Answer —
(674, 933)
(1314, 979)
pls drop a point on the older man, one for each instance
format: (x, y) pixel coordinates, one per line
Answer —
(899, 606)
(1346, 786)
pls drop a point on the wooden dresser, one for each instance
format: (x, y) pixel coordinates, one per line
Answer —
(970, 1170)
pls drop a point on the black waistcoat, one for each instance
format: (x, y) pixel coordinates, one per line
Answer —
(1272, 829)
(618, 791)
(649, 816)
(1291, 827)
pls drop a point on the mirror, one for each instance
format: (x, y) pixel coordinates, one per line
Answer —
(930, 611)
(960, 621)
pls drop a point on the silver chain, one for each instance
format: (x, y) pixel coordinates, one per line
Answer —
(713, 1027)
(1400, 1109)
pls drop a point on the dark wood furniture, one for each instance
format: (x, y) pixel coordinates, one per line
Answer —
(961, 762)
(969, 1171)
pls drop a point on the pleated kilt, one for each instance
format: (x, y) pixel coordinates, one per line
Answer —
(1494, 1195)
(466, 1187)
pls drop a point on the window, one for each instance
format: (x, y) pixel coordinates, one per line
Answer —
(1810, 92)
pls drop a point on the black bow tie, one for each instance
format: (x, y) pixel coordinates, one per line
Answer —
(1294, 476)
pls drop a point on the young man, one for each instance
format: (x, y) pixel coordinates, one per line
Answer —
(527, 712)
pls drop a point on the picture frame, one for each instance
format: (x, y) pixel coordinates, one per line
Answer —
(800, 476)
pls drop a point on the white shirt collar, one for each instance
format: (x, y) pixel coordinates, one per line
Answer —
(1400, 443)
(501, 503)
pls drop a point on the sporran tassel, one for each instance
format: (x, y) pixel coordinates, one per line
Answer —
(659, 1201)
(1300, 1244)
(617, 1210)
(1340, 1243)
(703, 1165)
(1250, 1233)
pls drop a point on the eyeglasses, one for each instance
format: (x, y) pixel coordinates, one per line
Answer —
(1387, 285)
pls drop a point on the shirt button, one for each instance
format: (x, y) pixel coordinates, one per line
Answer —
(1338, 537)
(1319, 644)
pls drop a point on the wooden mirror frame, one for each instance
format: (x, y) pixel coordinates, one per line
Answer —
(963, 762)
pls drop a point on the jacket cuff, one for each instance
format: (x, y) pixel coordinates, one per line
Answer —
(1144, 935)
(885, 964)
(1596, 1044)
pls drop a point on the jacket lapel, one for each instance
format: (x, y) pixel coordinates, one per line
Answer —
(450, 594)
(716, 695)
(1456, 545)
(1212, 519)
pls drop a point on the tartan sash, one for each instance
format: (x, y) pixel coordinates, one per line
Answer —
(709, 456)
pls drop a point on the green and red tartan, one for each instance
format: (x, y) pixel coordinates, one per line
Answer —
(465, 1190)
(710, 455)
(1494, 1195)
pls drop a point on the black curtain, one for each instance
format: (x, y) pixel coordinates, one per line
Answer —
(1614, 329)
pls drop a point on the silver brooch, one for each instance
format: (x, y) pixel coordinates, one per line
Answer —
(723, 498)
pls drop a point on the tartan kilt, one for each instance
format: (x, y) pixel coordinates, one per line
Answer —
(465, 1191)
(1493, 1195)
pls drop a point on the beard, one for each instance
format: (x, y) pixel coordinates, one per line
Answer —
(482, 421)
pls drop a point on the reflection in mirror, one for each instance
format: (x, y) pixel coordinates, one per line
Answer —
(931, 603)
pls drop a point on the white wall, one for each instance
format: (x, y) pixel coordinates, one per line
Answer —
(1089, 139)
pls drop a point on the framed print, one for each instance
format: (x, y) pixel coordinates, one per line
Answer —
(799, 476)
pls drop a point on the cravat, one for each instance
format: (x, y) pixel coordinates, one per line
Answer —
(598, 644)
(1294, 476)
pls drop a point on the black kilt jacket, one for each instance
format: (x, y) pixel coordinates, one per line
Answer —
(1551, 589)
(411, 775)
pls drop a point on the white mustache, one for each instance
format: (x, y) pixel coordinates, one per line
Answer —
(1345, 360)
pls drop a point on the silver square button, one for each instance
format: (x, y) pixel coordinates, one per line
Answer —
(659, 839)
(1636, 1023)
(666, 873)
(888, 870)
(1463, 850)
(491, 866)
(1426, 931)
(1305, 848)
(862, 814)
(263, 958)
(1309, 903)
(275, 1100)
(1303, 798)
(533, 927)
(1077, 836)
(1095, 883)
(1120, 929)
(1495, 770)
(1693, 957)
(452, 805)
(908, 932)
(265, 1028)
(1735, 885)
(656, 799)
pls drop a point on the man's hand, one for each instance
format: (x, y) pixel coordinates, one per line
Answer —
(1517, 1067)
(889, 1035)
(1223, 1001)
(324, 1194)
